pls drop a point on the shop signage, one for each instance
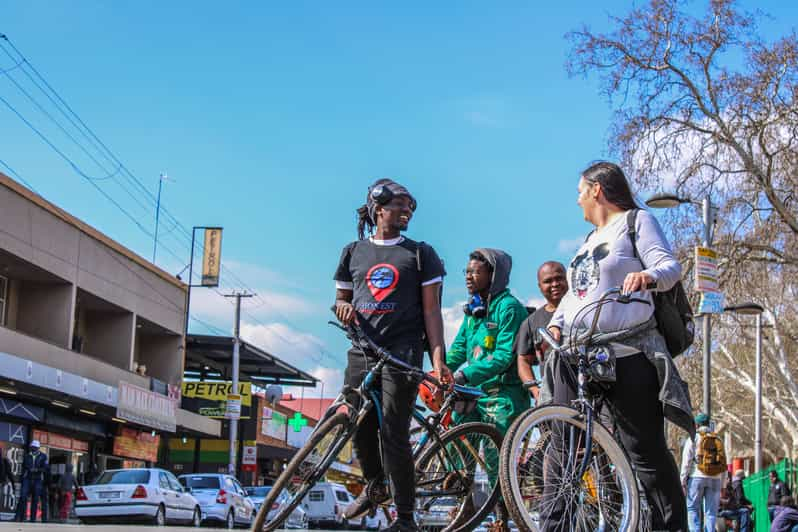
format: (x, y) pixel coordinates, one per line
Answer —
(13, 432)
(63, 382)
(10, 407)
(212, 256)
(51, 439)
(217, 391)
(131, 443)
(249, 454)
(233, 410)
(145, 407)
(273, 424)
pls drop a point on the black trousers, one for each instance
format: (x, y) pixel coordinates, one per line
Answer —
(397, 392)
(637, 415)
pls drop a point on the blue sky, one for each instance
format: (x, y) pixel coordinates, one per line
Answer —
(272, 119)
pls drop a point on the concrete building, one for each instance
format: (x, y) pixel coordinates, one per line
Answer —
(91, 337)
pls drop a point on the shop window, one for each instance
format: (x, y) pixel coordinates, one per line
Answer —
(3, 299)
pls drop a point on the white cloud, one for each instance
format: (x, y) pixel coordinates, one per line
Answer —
(452, 319)
(536, 302)
(210, 305)
(570, 245)
(301, 350)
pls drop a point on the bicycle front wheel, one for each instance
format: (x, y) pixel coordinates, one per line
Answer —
(457, 478)
(303, 471)
(546, 485)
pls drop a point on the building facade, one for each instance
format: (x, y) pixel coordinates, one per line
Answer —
(91, 343)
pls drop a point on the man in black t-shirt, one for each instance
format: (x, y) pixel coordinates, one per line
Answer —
(529, 346)
(391, 286)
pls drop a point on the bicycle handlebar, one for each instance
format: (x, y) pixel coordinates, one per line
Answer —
(358, 335)
(605, 298)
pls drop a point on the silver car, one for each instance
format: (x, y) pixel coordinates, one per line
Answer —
(221, 498)
(298, 518)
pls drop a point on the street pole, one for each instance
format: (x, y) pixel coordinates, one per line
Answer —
(758, 413)
(707, 322)
(231, 466)
(157, 217)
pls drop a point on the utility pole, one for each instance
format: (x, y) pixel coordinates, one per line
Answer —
(707, 321)
(161, 179)
(231, 466)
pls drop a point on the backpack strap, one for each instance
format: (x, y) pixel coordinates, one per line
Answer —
(631, 221)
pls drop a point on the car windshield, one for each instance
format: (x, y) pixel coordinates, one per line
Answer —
(258, 491)
(125, 476)
(199, 482)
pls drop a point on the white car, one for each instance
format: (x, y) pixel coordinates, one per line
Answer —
(298, 518)
(325, 504)
(151, 494)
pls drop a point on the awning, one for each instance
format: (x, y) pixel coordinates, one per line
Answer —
(275, 453)
(210, 357)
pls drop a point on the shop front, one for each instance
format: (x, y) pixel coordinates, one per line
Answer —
(131, 448)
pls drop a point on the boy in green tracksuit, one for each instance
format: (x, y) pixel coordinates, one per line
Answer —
(485, 341)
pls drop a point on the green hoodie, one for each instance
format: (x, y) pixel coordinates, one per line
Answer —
(487, 344)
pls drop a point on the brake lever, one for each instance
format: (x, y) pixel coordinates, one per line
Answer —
(336, 324)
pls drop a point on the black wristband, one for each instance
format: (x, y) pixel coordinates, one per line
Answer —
(531, 384)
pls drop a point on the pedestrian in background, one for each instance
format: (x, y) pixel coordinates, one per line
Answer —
(702, 472)
(778, 489)
(34, 468)
(66, 485)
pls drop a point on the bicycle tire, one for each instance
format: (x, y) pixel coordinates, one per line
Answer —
(593, 495)
(435, 463)
(339, 421)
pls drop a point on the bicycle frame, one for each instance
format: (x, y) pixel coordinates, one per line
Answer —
(585, 402)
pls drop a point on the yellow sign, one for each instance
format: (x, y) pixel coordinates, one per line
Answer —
(212, 256)
(217, 391)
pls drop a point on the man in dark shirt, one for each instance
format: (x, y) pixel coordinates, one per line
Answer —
(391, 286)
(553, 284)
(738, 507)
(778, 489)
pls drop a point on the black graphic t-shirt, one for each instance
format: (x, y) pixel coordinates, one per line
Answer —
(527, 339)
(386, 282)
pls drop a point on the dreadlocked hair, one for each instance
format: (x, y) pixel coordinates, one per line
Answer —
(363, 221)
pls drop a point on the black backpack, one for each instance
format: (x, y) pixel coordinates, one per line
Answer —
(672, 309)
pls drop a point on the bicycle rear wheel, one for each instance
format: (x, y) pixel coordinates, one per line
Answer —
(303, 471)
(541, 458)
(457, 479)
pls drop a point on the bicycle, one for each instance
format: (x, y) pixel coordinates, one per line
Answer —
(457, 465)
(561, 468)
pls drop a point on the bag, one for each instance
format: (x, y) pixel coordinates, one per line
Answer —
(672, 309)
(710, 456)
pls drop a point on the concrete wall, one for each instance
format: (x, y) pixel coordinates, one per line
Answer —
(109, 337)
(40, 237)
(45, 310)
(163, 356)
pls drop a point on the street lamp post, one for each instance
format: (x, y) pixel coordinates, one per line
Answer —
(665, 201)
(755, 310)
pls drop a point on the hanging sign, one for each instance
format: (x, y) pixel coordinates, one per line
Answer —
(212, 256)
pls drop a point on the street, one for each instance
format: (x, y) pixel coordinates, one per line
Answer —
(46, 527)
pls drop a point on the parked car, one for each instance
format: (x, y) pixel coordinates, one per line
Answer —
(151, 494)
(298, 518)
(438, 515)
(325, 504)
(221, 498)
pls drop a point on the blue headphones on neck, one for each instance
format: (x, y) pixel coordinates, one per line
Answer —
(475, 307)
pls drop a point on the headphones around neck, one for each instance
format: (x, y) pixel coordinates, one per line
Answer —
(475, 307)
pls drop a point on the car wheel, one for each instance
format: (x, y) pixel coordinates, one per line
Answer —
(196, 519)
(160, 516)
(231, 520)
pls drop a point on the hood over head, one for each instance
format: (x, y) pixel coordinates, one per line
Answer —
(502, 264)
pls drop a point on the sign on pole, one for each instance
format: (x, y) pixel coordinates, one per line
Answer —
(707, 281)
(233, 410)
(212, 256)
